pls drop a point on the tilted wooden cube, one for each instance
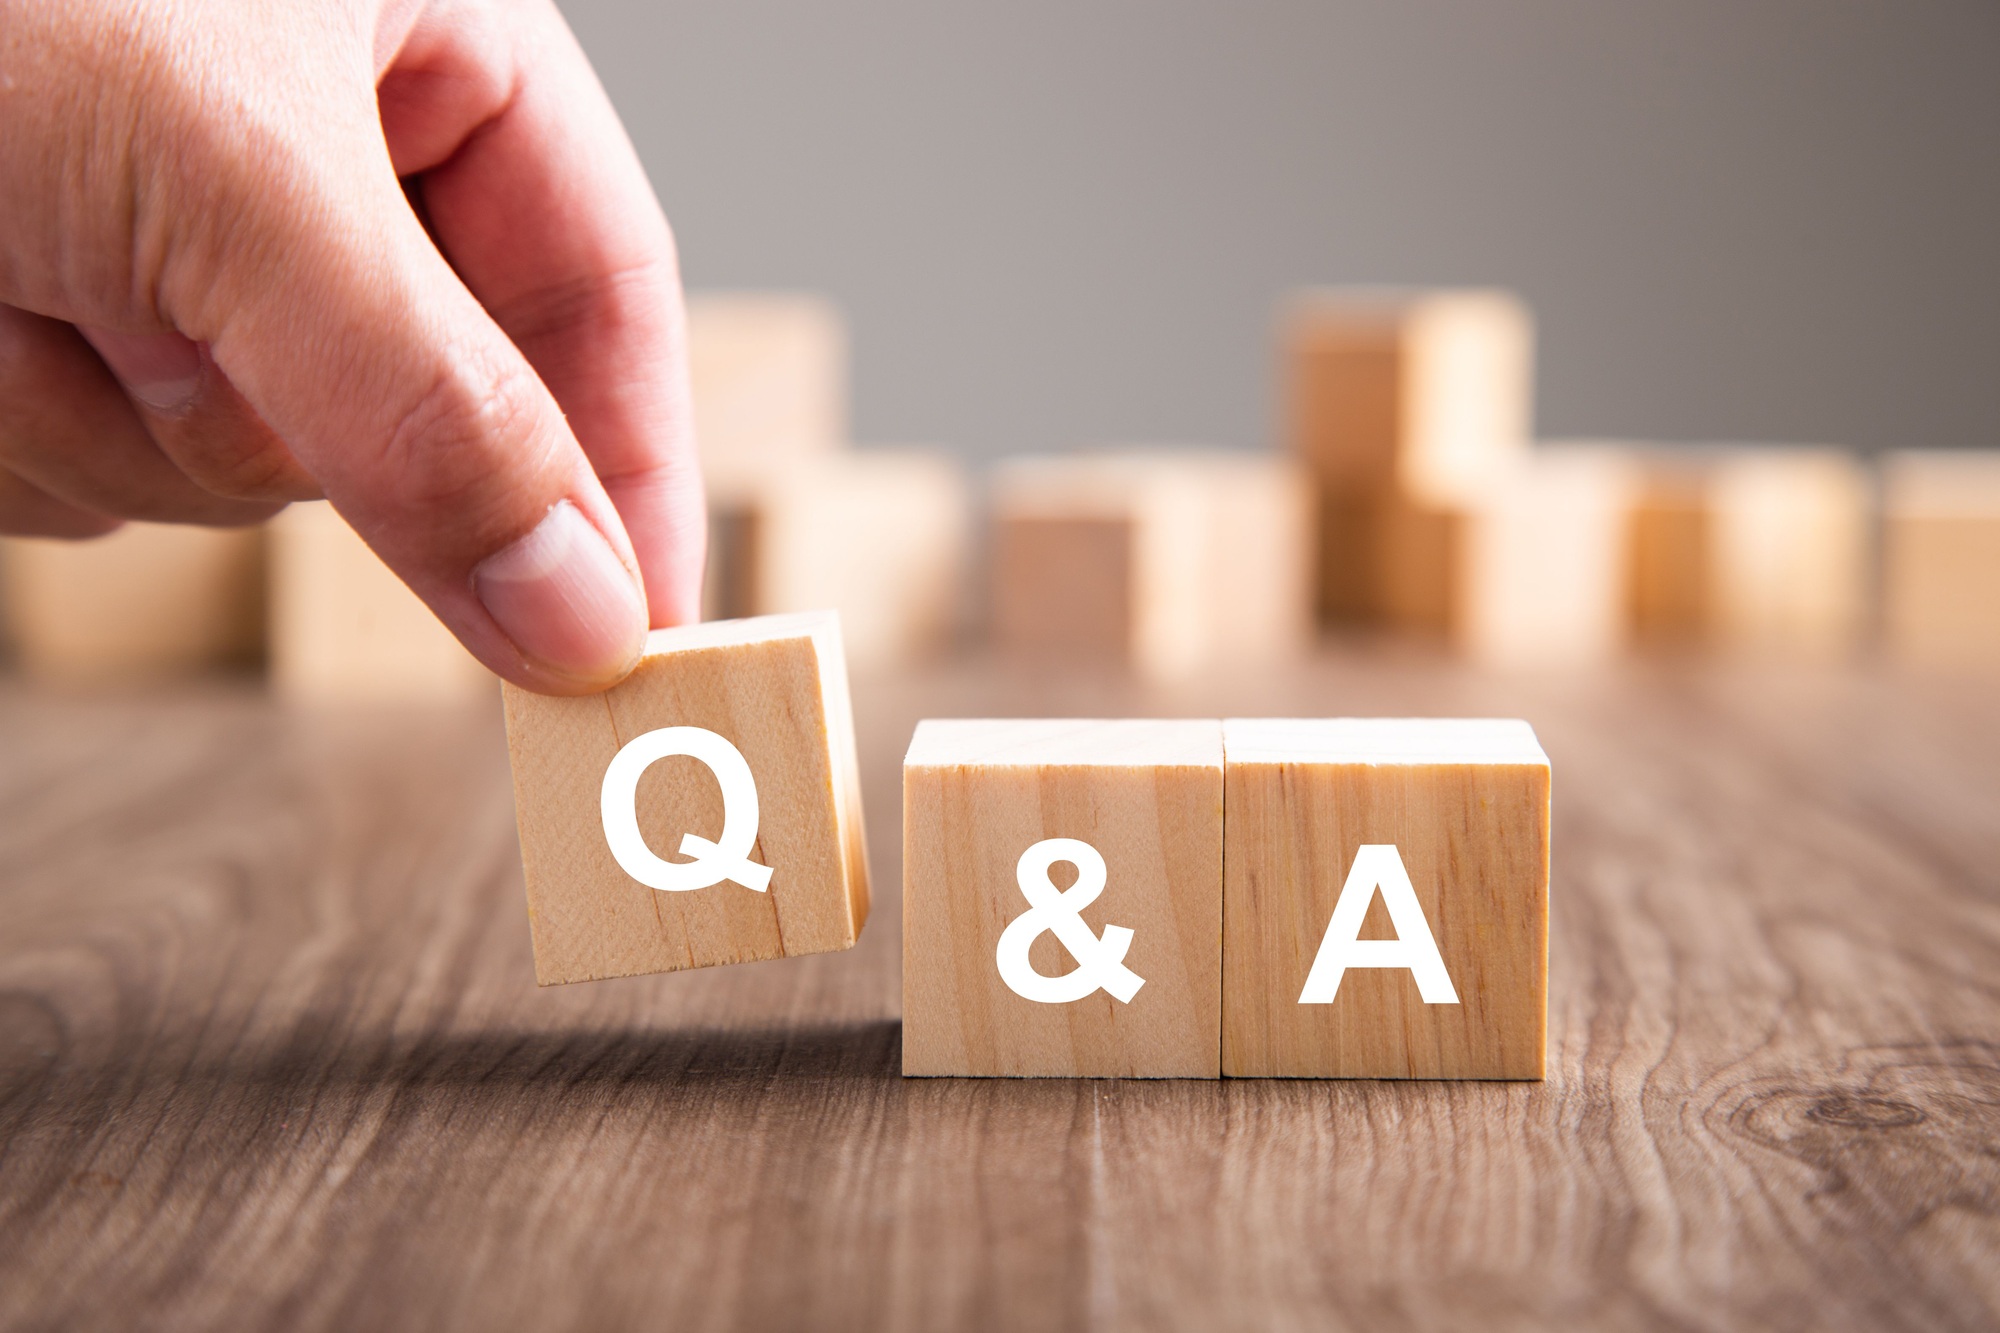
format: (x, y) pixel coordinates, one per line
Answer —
(148, 601)
(705, 811)
(1941, 557)
(344, 628)
(1165, 562)
(1385, 899)
(1125, 817)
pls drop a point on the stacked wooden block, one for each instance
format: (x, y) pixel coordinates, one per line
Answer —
(1414, 412)
(798, 518)
(1164, 562)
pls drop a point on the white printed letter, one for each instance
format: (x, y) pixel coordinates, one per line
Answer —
(728, 857)
(1378, 866)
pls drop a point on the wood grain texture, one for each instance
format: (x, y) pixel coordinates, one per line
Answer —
(1148, 797)
(775, 687)
(344, 627)
(1472, 830)
(271, 1055)
(1941, 557)
(149, 601)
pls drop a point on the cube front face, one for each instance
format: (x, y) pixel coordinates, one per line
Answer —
(781, 704)
(972, 815)
(1472, 836)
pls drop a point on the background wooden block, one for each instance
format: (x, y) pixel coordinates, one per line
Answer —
(1531, 574)
(1148, 797)
(768, 372)
(1165, 561)
(1466, 803)
(776, 689)
(149, 600)
(344, 627)
(1750, 548)
(881, 535)
(1418, 397)
(1941, 557)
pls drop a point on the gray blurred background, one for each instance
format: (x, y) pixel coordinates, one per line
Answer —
(1053, 222)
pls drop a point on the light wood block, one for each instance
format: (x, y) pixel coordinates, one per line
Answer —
(768, 374)
(1941, 557)
(1531, 574)
(1147, 797)
(1166, 562)
(147, 601)
(775, 689)
(345, 628)
(1465, 806)
(1393, 396)
(881, 535)
(1750, 548)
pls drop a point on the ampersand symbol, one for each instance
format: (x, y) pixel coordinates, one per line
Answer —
(728, 857)
(1100, 961)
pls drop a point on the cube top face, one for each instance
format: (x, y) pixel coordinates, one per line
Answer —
(1382, 740)
(781, 873)
(1437, 830)
(1064, 743)
(1114, 827)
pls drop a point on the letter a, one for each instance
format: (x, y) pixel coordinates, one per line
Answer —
(1378, 865)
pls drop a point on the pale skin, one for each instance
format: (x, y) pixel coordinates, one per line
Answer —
(217, 297)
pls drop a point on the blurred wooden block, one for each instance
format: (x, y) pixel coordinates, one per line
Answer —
(1532, 574)
(1941, 557)
(881, 535)
(149, 600)
(768, 374)
(1422, 397)
(1385, 899)
(1143, 797)
(1752, 548)
(772, 692)
(345, 628)
(1168, 563)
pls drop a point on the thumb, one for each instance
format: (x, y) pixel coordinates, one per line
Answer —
(428, 430)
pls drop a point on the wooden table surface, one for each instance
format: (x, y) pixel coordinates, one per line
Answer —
(271, 1054)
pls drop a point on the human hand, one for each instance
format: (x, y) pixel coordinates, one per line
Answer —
(217, 297)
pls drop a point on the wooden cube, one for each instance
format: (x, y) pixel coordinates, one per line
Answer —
(345, 628)
(705, 811)
(1131, 812)
(768, 374)
(1165, 562)
(150, 600)
(1531, 574)
(1750, 548)
(1400, 396)
(1941, 557)
(881, 535)
(1385, 899)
